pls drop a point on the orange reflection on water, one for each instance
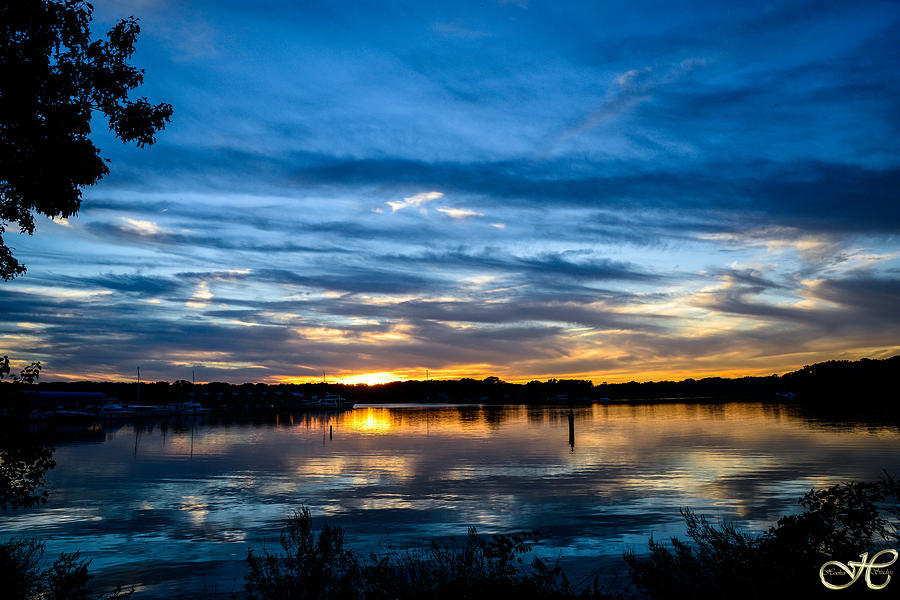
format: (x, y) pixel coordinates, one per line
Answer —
(415, 420)
(369, 420)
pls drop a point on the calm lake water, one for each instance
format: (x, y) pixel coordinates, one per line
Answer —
(173, 509)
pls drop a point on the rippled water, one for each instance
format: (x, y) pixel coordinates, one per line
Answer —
(175, 508)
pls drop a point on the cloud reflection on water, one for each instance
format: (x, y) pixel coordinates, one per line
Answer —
(148, 498)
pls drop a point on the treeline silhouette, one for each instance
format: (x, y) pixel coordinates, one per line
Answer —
(821, 383)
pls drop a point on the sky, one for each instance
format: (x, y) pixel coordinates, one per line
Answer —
(378, 190)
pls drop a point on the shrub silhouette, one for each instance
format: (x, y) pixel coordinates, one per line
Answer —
(838, 523)
(23, 578)
(319, 567)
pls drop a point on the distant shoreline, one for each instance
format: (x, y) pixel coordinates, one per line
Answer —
(825, 384)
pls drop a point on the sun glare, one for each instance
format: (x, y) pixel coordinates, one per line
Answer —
(370, 378)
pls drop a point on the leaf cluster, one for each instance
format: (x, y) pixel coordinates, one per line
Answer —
(53, 77)
(29, 374)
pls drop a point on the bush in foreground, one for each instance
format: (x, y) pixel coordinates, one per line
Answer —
(23, 578)
(838, 523)
(320, 567)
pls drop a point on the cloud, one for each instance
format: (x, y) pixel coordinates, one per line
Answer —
(201, 296)
(877, 296)
(459, 213)
(134, 283)
(224, 240)
(548, 266)
(813, 195)
(631, 88)
(517, 330)
(417, 200)
(354, 279)
(142, 227)
(750, 278)
(523, 309)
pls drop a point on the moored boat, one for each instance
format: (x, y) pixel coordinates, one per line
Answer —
(115, 411)
(330, 400)
(76, 416)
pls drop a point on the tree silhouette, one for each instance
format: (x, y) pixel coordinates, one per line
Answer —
(24, 457)
(52, 78)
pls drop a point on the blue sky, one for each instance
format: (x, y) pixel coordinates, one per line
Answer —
(525, 189)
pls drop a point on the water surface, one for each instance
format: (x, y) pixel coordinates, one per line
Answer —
(174, 508)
